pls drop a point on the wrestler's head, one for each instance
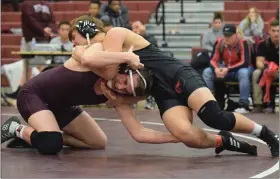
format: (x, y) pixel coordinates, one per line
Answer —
(86, 30)
(124, 83)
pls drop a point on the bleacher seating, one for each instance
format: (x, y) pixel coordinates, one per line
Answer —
(63, 10)
(235, 11)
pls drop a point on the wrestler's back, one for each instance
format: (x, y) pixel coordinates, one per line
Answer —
(164, 66)
(61, 86)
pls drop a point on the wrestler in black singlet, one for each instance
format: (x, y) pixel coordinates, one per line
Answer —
(174, 80)
(59, 90)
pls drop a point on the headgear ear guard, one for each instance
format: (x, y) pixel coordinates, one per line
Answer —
(125, 69)
(87, 29)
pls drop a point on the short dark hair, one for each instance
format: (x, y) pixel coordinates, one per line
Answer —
(63, 23)
(218, 15)
(110, 1)
(95, 2)
(106, 21)
(148, 75)
(274, 23)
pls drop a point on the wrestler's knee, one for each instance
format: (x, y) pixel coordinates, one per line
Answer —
(47, 142)
(186, 135)
(212, 115)
(101, 143)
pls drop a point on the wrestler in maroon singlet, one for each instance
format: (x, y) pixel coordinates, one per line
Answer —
(59, 90)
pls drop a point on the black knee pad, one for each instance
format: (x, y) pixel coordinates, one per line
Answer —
(47, 142)
(212, 115)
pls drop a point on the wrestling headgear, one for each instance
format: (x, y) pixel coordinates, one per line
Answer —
(87, 29)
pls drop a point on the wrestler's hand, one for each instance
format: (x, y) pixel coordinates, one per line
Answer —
(78, 52)
(133, 60)
(113, 98)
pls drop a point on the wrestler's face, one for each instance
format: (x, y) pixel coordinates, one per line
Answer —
(121, 83)
(78, 39)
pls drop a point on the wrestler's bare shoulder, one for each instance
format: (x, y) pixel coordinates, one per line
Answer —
(74, 65)
(130, 38)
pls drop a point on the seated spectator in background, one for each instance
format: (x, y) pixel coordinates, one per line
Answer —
(139, 28)
(267, 55)
(15, 3)
(231, 61)
(250, 43)
(253, 25)
(275, 17)
(210, 37)
(63, 41)
(94, 8)
(116, 13)
(37, 21)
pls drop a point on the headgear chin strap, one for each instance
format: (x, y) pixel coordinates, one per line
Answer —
(131, 81)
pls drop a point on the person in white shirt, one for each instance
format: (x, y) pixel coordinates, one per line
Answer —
(63, 41)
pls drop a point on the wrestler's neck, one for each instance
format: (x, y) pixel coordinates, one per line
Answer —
(97, 87)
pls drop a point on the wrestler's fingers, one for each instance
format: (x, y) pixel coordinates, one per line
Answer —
(108, 93)
(131, 48)
(141, 65)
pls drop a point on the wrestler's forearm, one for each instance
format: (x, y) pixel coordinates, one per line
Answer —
(99, 59)
(155, 137)
(138, 131)
(131, 99)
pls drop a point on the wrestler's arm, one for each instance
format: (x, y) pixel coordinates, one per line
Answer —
(138, 131)
(93, 58)
(105, 72)
(114, 42)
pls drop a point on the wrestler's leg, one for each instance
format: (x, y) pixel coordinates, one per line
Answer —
(203, 103)
(242, 124)
(178, 122)
(85, 130)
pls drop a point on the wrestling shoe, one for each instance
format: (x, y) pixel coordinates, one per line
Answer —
(8, 129)
(18, 143)
(232, 144)
(271, 139)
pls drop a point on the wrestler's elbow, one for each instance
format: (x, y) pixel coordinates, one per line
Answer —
(88, 60)
(139, 136)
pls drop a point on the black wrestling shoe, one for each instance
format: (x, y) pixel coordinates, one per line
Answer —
(271, 139)
(8, 129)
(232, 144)
(18, 143)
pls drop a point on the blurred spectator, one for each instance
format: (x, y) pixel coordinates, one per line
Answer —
(267, 54)
(231, 61)
(94, 9)
(116, 12)
(252, 25)
(15, 3)
(37, 22)
(275, 17)
(63, 41)
(139, 28)
(250, 43)
(210, 37)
